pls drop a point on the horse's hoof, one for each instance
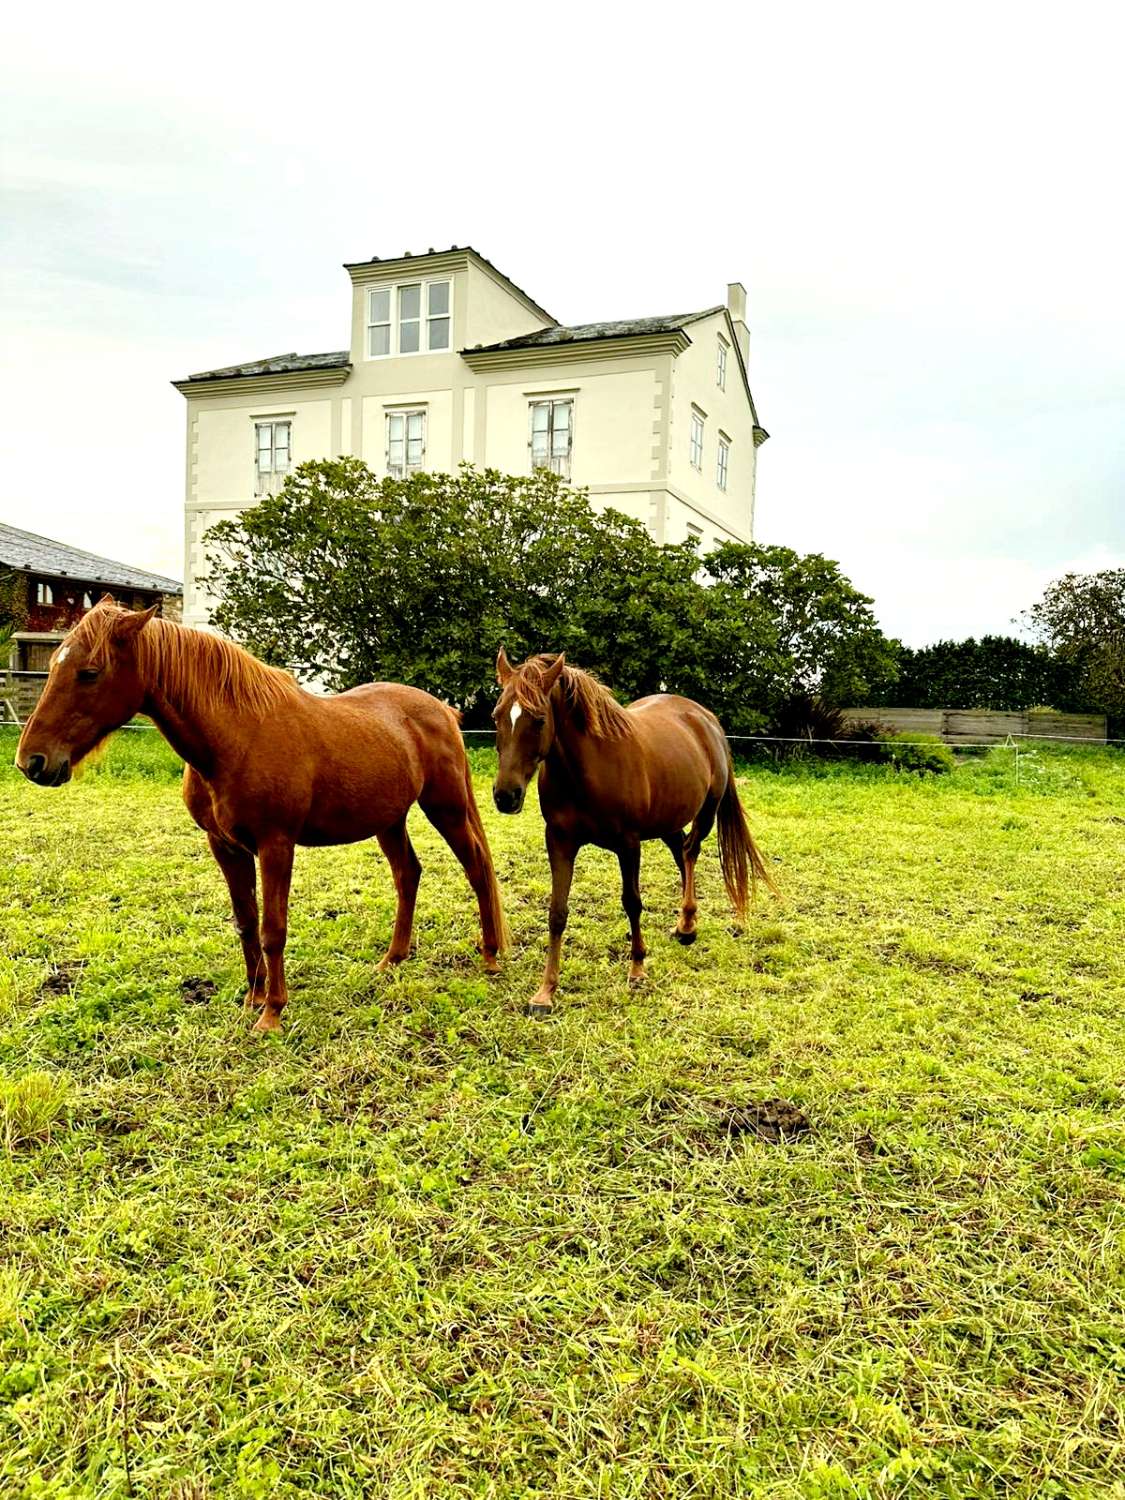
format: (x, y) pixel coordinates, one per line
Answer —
(537, 1012)
(269, 1020)
(637, 980)
(687, 938)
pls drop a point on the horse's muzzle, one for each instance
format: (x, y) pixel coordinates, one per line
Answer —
(37, 769)
(507, 799)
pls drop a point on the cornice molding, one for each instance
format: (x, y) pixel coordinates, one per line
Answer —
(248, 385)
(576, 351)
(420, 266)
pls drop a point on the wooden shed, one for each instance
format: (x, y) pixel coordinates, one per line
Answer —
(45, 588)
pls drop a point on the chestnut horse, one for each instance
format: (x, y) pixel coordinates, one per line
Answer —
(613, 777)
(269, 766)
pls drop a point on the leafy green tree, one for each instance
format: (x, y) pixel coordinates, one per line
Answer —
(796, 629)
(348, 579)
(1081, 617)
(997, 672)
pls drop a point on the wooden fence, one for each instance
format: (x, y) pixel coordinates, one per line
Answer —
(19, 693)
(960, 726)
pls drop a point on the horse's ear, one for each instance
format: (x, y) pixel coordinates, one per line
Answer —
(132, 622)
(107, 598)
(553, 672)
(503, 667)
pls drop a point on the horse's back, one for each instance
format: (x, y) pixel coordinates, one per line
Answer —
(663, 718)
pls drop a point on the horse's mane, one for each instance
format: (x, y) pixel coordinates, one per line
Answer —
(593, 706)
(192, 664)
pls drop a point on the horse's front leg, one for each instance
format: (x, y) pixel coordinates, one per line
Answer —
(241, 876)
(561, 851)
(275, 856)
(630, 862)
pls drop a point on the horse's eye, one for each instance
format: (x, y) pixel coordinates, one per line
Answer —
(88, 674)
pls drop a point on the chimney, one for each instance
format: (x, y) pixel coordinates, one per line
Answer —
(736, 306)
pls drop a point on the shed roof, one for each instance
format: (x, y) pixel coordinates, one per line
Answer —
(29, 553)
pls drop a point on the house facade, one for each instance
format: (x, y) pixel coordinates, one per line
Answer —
(47, 587)
(449, 362)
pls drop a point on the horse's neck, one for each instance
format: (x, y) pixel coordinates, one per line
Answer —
(190, 721)
(572, 748)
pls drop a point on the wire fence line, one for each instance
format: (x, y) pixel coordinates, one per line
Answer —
(1008, 743)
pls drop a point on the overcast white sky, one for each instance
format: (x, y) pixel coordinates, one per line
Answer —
(923, 202)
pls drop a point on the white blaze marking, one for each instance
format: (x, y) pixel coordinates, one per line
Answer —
(516, 711)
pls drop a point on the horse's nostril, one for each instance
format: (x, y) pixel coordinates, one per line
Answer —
(36, 765)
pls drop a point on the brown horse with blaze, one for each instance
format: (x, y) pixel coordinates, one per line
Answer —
(269, 766)
(614, 777)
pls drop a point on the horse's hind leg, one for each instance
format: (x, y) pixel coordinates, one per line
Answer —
(685, 930)
(452, 822)
(630, 862)
(407, 870)
(241, 876)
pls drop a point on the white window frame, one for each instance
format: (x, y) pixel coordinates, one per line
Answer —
(696, 438)
(722, 462)
(695, 533)
(269, 481)
(393, 321)
(406, 468)
(564, 460)
(721, 368)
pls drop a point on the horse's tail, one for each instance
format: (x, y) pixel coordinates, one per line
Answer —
(739, 856)
(491, 898)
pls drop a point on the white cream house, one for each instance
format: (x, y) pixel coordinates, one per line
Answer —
(449, 361)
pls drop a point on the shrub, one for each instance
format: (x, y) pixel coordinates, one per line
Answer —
(919, 752)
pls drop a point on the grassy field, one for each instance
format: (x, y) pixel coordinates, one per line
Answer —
(832, 1208)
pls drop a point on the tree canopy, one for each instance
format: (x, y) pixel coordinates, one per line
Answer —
(1081, 618)
(348, 579)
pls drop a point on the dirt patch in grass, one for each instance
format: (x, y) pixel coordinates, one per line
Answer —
(197, 991)
(773, 1120)
(61, 979)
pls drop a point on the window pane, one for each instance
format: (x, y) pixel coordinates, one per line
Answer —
(439, 333)
(265, 435)
(414, 424)
(264, 462)
(439, 297)
(414, 451)
(409, 301)
(540, 416)
(539, 449)
(379, 341)
(560, 443)
(408, 337)
(394, 425)
(380, 306)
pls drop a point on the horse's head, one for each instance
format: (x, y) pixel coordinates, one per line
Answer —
(525, 725)
(93, 688)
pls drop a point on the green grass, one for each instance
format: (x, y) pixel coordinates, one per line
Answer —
(421, 1246)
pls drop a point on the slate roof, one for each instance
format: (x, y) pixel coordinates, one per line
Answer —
(587, 332)
(29, 553)
(279, 364)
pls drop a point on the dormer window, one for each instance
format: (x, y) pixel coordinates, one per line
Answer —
(411, 318)
(721, 367)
